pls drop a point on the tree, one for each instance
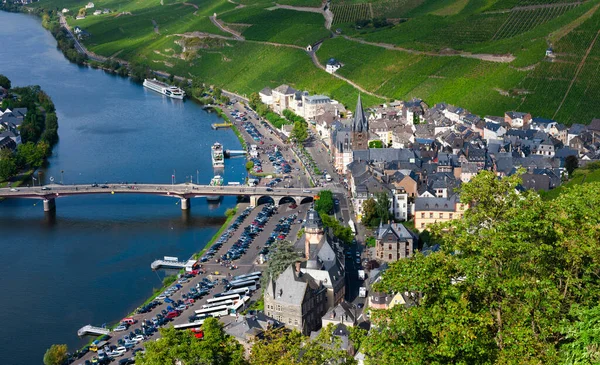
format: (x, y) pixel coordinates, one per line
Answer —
(55, 355)
(217, 92)
(506, 277)
(254, 100)
(299, 132)
(282, 255)
(279, 347)
(215, 348)
(8, 165)
(340, 231)
(324, 204)
(31, 154)
(4, 82)
(375, 144)
(249, 165)
(571, 163)
(382, 206)
(369, 208)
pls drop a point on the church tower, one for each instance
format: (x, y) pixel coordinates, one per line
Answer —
(360, 128)
(313, 230)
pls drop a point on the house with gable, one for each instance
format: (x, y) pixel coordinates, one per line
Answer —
(394, 242)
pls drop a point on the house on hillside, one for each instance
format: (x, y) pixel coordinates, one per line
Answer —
(89, 5)
(332, 65)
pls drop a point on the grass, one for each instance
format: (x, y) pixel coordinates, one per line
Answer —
(582, 176)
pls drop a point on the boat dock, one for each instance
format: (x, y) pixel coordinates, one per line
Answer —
(92, 330)
(169, 262)
(221, 125)
(234, 153)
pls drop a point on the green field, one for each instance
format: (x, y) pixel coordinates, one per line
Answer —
(566, 87)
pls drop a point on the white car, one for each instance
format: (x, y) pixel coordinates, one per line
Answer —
(115, 353)
(120, 328)
(13, 189)
(161, 297)
(120, 349)
(138, 338)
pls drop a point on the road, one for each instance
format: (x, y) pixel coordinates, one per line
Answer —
(246, 264)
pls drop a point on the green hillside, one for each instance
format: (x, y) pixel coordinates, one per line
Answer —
(488, 56)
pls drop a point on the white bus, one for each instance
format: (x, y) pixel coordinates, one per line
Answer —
(239, 306)
(194, 324)
(228, 302)
(352, 226)
(256, 273)
(216, 312)
(245, 290)
(239, 284)
(249, 278)
(233, 183)
(224, 297)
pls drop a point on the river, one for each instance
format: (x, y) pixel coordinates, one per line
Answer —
(89, 263)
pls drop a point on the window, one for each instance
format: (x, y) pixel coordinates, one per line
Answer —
(422, 215)
(450, 215)
(430, 215)
(441, 215)
(422, 225)
(295, 322)
(390, 246)
(278, 308)
(390, 256)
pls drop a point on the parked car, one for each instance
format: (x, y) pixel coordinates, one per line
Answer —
(120, 328)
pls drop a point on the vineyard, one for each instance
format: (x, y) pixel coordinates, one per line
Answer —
(520, 21)
(349, 13)
(394, 8)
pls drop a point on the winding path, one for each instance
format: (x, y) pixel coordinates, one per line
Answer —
(327, 14)
(507, 58)
(226, 29)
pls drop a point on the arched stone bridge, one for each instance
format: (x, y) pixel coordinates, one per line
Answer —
(49, 193)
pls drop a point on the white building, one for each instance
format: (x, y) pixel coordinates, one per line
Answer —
(266, 96)
(89, 5)
(332, 65)
(65, 10)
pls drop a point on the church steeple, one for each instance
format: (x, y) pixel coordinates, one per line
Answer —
(360, 123)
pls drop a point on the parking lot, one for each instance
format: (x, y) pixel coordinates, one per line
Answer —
(209, 281)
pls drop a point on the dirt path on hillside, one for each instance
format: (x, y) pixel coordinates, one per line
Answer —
(445, 53)
(205, 35)
(327, 14)
(225, 29)
(193, 5)
(577, 73)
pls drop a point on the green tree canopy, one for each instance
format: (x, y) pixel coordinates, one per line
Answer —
(507, 275)
(299, 132)
(281, 256)
(55, 355)
(8, 164)
(325, 204)
(281, 347)
(4, 82)
(31, 154)
(375, 144)
(571, 163)
(215, 348)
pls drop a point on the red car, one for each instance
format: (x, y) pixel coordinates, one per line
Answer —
(172, 314)
(198, 333)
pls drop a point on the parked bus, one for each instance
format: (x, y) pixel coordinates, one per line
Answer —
(249, 278)
(352, 226)
(223, 297)
(239, 306)
(257, 273)
(244, 290)
(216, 312)
(239, 284)
(216, 304)
(194, 324)
(233, 183)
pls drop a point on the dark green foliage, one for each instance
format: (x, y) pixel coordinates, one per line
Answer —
(375, 144)
(8, 164)
(281, 257)
(324, 204)
(571, 163)
(55, 355)
(4, 82)
(340, 231)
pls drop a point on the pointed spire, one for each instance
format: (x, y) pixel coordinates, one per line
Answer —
(360, 123)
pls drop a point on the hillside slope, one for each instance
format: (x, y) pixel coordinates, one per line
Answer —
(488, 56)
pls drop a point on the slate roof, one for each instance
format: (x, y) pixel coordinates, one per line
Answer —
(436, 204)
(290, 287)
(399, 230)
(360, 122)
(285, 89)
(266, 91)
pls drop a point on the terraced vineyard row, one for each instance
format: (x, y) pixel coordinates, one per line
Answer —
(394, 8)
(540, 2)
(349, 13)
(523, 20)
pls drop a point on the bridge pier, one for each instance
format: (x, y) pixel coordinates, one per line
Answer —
(254, 200)
(49, 205)
(185, 203)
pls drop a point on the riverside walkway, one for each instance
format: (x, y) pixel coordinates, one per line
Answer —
(49, 193)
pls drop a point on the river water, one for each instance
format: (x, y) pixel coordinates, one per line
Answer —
(90, 262)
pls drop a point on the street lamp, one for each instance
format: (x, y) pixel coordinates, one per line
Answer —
(61, 176)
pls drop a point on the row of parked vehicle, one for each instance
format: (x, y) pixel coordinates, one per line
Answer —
(280, 232)
(226, 235)
(250, 232)
(253, 132)
(279, 163)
